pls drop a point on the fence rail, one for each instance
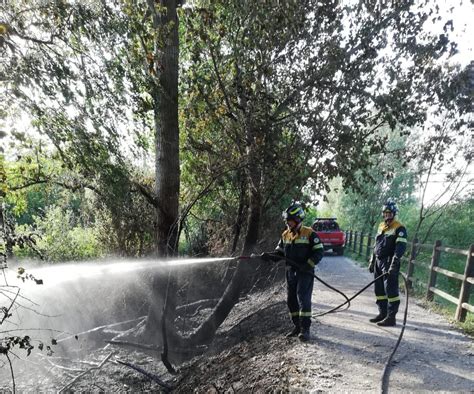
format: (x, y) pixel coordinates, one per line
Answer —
(361, 244)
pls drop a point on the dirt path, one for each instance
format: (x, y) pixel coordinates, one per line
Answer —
(348, 352)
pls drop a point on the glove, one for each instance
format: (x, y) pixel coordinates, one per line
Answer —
(311, 264)
(372, 264)
(395, 265)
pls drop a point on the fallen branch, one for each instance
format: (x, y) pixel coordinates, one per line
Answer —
(180, 350)
(86, 363)
(102, 390)
(86, 372)
(101, 328)
(134, 344)
(63, 367)
(197, 305)
(149, 375)
(129, 331)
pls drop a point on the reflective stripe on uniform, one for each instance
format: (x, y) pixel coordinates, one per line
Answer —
(381, 298)
(318, 246)
(311, 263)
(400, 239)
(294, 314)
(301, 241)
(304, 314)
(393, 299)
(296, 241)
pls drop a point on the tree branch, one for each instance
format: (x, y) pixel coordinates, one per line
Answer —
(149, 375)
(11, 372)
(64, 388)
(6, 312)
(221, 85)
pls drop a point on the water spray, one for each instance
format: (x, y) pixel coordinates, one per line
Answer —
(60, 273)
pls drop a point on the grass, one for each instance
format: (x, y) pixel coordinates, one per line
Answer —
(449, 285)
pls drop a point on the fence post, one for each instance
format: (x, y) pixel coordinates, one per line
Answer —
(350, 239)
(354, 246)
(434, 263)
(466, 286)
(361, 243)
(411, 265)
(369, 241)
(346, 240)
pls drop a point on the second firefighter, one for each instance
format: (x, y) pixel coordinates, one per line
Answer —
(390, 245)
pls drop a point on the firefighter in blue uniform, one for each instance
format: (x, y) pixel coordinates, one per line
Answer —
(301, 245)
(390, 245)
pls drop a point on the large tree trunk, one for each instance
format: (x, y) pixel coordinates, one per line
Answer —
(166, 130)
(167, 173)
(240, 214)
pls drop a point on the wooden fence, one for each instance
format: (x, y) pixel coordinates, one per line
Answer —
(362, 244)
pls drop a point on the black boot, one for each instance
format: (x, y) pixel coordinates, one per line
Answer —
(378, 318)
(304, 335)
(293, 333)
(389, 321)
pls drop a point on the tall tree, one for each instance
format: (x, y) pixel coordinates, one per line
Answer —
(164, 91)
(92, 76)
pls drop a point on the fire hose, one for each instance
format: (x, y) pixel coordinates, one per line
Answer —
(386, 370)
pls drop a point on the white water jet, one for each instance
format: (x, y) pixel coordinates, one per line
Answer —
(57, 273)
(75, 297)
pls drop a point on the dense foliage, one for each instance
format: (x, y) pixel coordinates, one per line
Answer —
(275, 100)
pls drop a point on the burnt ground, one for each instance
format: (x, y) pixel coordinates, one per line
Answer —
(251, 354)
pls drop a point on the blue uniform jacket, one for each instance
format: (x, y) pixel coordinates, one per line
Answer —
(303, 247)
(390, 240)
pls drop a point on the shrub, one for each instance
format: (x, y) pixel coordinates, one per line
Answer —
(60, 239)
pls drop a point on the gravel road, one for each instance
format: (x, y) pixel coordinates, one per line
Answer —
(350, 352)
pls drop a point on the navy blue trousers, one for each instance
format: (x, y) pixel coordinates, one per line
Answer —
(386, 288)
(299, 292)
